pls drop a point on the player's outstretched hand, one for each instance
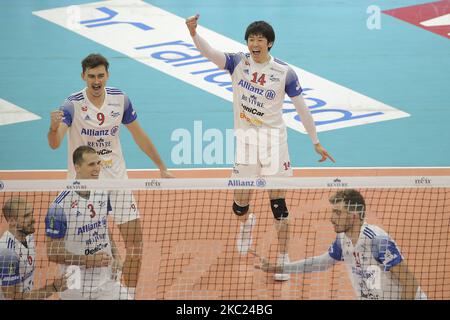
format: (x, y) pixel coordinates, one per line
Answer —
(166, 174)
(263, 264)
(191, 23)
(324, 153)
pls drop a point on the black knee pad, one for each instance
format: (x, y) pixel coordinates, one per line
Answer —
(279, 209)
(238, 210)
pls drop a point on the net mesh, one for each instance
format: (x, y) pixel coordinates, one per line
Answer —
(189, 235)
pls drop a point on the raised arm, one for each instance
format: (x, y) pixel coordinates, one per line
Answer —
(57, 129)
(216, 56)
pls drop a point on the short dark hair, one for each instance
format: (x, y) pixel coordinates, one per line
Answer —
(94, 60)
(260, 28)
(10, 207)
(77, 156)
(353, 200)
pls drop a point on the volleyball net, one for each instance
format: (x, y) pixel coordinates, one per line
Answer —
(189, 232)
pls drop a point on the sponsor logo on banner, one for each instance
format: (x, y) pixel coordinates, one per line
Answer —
(153, 184)
(261, 183)
(423, 181)
(337, 183)
(2, 185)
(76, 186)
(159, 39)
(433, 16)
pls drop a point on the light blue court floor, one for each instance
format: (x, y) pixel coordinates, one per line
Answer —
(377, 86)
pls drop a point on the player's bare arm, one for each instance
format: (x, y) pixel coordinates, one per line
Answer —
(266, 266)
(147, 146)
(16, 292)
(406, 279)
(131, 233)
(117, 264)
(308, 123)
(57, 129)
(216, 56)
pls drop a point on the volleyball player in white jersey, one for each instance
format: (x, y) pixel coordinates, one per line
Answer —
(260, 83)
(93, 117)
(78, 235)
(18, 255)
(374, 263)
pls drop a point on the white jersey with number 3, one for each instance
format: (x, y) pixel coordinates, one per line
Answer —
(83, 225)
(98, 128)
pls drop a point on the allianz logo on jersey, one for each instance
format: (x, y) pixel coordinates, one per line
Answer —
(99, 133)
(92, 225)
(159, 39)
(246, 85)
(94, 132)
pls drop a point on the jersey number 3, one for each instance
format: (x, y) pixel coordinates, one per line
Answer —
(91, 210)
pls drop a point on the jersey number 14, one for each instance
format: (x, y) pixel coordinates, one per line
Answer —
(261, 80)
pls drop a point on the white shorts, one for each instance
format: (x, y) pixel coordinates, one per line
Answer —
(110, 290)
(253, 162)
(123, 206)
